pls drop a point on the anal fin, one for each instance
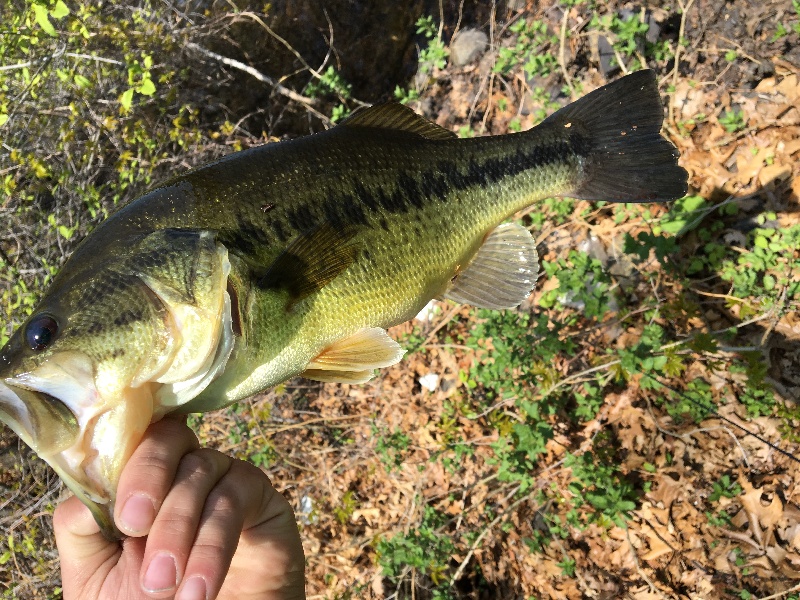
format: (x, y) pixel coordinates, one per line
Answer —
(503, 271)
(354, 358)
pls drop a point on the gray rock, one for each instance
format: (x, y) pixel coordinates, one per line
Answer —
(467, 46)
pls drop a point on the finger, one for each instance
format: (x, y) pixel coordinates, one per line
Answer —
(175, 527)
(149, 473)
(86, 556)
(269, 545)
(272, 539)
(220, 525)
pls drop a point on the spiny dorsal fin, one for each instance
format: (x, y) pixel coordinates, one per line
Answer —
(311, 261)
(355, 358)
(503, 272)
(398, 117)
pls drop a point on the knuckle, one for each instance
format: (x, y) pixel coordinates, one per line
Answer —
(224, 500)
(202, 463)
(208, 551)
(245, 471)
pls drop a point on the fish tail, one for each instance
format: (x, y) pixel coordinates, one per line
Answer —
(616, 129)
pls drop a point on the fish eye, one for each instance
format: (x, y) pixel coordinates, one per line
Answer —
(40, 332)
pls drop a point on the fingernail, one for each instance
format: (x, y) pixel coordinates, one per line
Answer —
(138, 514)
(193, 589)
(161, 575)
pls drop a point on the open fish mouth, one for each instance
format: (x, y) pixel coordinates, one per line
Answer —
(46, 424)
(42, 421)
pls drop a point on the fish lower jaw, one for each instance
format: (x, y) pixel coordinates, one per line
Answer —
(100, 503)
(68, 464)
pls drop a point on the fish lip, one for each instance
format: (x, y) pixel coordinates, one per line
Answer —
(15, 414)
(17, 411)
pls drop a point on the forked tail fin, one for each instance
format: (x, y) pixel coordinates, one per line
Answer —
(618, 128)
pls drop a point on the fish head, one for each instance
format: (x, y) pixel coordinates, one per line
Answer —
(111, 349)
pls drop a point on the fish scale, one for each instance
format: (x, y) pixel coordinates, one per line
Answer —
(294, 258)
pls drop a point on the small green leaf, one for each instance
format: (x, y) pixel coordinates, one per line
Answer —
(3, 119)
(147, 87)
(82, 82)
(43, 19)
(126, 99)
(60, 10)
(684, 215)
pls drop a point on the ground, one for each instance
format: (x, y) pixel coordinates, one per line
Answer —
(575, 447)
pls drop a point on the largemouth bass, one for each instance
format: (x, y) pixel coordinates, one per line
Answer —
(294, 258)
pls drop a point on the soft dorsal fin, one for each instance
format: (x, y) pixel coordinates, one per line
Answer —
(503, 271)
(311, 261)
(355, 358)
(398, 117)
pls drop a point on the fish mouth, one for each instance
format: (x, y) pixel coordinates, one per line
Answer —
(52, 429)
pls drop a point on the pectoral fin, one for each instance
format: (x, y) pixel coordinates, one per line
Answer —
(502, 273)
(312, 261)
(355, 358)
(354, 377)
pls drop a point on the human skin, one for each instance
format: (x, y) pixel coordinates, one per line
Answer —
(201, 525)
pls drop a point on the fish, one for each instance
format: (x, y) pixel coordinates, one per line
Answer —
(293, 259)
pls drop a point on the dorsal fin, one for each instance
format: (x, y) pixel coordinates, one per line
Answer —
(397, 117)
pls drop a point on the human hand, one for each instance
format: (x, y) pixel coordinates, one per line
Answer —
(201, 524)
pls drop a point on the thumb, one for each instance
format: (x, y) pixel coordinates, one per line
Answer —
(86, 556)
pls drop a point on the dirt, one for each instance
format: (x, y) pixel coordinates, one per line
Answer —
(323, 441)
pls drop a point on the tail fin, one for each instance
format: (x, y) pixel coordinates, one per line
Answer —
(627, 159)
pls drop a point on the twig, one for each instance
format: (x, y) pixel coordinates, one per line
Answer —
(21, 65)
(281, 89)
(745, 132)
(110, 61)
(744, 538)
(562, 50)
(583, 373)
(253, 16)
(445, 320)
(675, 68)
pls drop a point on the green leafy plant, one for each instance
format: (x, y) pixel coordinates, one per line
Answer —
(725, 487)
(529, 50)
(391, 446)
(600, 485)
(733, 120)
(345, 508)
(628, 37)
(435, 53)
(92, 67)
(582, 283)
(423, 548)
(782, 30)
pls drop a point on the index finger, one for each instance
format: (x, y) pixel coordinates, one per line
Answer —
(149, 473)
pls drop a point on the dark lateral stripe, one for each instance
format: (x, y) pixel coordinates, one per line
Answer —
(413, 190)
(410, 191)
(493, 170)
